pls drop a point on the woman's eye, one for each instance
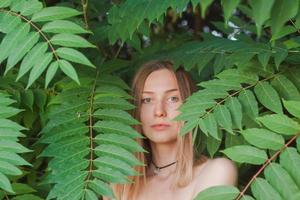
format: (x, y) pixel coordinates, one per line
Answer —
(146, 100)
(173, 99)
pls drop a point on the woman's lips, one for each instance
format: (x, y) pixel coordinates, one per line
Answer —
(160, 127)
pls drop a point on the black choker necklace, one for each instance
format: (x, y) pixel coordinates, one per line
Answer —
(157, 168)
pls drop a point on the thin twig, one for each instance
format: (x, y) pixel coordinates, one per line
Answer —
(84, 9)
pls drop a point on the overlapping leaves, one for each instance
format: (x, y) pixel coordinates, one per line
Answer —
(10, 148)
(90, 140)
(41, 39)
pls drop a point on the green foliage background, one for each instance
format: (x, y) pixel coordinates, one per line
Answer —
(65, 131)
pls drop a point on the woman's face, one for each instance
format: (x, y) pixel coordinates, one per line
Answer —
(160, 101)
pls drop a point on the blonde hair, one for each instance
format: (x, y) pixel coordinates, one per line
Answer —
(185, 155)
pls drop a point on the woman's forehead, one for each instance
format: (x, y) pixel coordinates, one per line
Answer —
(161, 81)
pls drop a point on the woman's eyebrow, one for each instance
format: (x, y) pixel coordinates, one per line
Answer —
(167, 91)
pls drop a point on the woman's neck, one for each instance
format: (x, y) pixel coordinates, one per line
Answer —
(164, 154)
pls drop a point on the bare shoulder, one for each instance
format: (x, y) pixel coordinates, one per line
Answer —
(218, 171)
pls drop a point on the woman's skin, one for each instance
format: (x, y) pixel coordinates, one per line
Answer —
(160, 101)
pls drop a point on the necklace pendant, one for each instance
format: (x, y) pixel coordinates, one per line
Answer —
(156, 170)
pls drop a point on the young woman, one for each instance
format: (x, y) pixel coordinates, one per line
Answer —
(171, 171)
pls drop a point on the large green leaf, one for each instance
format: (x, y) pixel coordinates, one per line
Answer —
(119, 140)
(290, 161)
(101, 188)
(246, 154)
(285, 88)
(5, 184)
(262, 190)
(249, 103)
(70, 40)
(268, 96)
(282, 11)
(235, 109)
(293, 107)
(263, 138)
(261, 11)
(31, 58)
(74, 56)
(21, 49)
(223, 117)
(218, 193)
(63, 26)
(68, 69)
(54, 13)
(39, 68)
(228, 8)
(281, 180)
(11, 40)
(280, 123)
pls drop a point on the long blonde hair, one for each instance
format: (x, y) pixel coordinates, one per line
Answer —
(185, 155)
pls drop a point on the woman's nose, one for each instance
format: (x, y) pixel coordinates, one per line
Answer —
(160, 110)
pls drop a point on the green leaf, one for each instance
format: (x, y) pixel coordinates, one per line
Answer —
(27, 99)
(8, 23)
(6, 145)
(118, 153)
(264, 58)
(31, 58)
(9, 169)
(6, 112)
(223, 117)
(281, 180)
(70, 40)
(13, 158)
(90, 195)
(285, 88)
(218, 193)
(188, 126)
(74, 56)
(238, 76)
(246, 154)
(249, 103)
(228, 8)
(280, 123)
(51, 72)
(262, 190)
(290, 161)
(115, 115)
(63, 26)
(54, 13)
(11, 40)
(27, 7)
(211, 126)
(235, 108)
(110, 175)
(204, 5)
(21, 188)
(282, 11)
(298, 144)
(69, 70)
(21, 49)
(293, 107)
(5, 184)
(119, 140)
(280, 55)
(101, 188)
(39, 68)
(5, 3)
(115, 164)
(261, 12)
(27, 197)
(213, 144)
(263, 138)
(116, 128)
(268, 96)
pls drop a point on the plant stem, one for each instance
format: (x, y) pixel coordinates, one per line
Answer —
(84, 9)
